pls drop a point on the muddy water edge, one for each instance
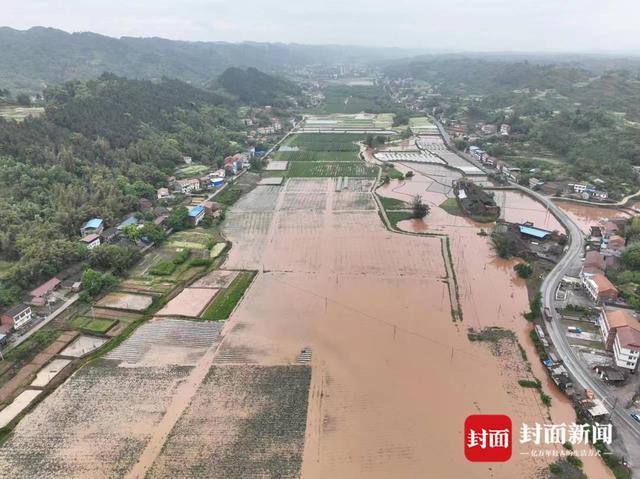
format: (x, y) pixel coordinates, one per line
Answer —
(491, 294)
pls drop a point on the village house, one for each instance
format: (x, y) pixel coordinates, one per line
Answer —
(610, 228)
(511, 172)
(187, 186)
(609, 374)
(196, 214)
(535, 183)
(578, 187)
(16, 317)
(91, 241)
(93, 226)
(39, 295)
(163, 193)
(211, 208)
(621, 334)
(489, 129)
(597, 286)
(145, 204)
(615, 243)
(129, 221)
(110, 235)
(594, 259)
(234, 163)
(505, 129)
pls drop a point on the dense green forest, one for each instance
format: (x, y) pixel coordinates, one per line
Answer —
(100, 146)
(39, 56)
(257, 88)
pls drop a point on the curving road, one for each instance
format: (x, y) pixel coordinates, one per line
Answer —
(625, 425)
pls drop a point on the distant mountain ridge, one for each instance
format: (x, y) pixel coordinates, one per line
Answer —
(31, 58)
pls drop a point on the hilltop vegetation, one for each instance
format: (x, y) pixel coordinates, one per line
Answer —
(100, 146)
(257, 88)
(38, 56)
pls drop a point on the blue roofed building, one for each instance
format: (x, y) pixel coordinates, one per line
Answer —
(131, 220)
(93, 226)
(196, 214)
(533, 232)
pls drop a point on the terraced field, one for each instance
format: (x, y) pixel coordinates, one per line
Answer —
(245, 421)
(319, 169)
(326, 142)
(317, 156)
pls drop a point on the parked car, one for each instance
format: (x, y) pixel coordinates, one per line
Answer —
(635, 416)
(547, 313)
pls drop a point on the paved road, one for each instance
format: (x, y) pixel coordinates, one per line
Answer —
(41, 324)
(625, 425)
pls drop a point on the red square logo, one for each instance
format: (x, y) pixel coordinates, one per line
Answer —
(487, 438)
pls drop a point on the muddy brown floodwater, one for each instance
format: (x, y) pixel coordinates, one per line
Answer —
(393, 377)
(492, 294)
(586, 215)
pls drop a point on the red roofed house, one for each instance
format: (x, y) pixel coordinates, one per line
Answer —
(598, 286)
(609, 228)
(621, 333)
(91, 241)
(615, 243)
(594, 259)
(44, 289)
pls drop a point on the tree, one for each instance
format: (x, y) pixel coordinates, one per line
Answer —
(132, 232)
(115, 257)
(93, 282)
(153, 232)
(369, 141)
(23, 99)
(178, 219)
(419, 209)
(631, 256)
(406, 133)
(524, 270)
(255, 164)
(504, 244)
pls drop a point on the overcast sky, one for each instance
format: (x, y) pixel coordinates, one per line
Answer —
(473, 25)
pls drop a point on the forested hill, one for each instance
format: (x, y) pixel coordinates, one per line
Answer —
(40, 55)
(115, 108)
(552, 86)
(99, 148)
(255, 87)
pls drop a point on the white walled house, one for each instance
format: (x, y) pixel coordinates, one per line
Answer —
(621, 333)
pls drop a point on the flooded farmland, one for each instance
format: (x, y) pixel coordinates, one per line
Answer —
(393, 376)
(343, 359)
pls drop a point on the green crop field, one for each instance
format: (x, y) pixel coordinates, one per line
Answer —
(354, 99)
(315, 156)
(307, 169)
(225, 301)
(191, 171)
(93, 325)
(326, 141)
